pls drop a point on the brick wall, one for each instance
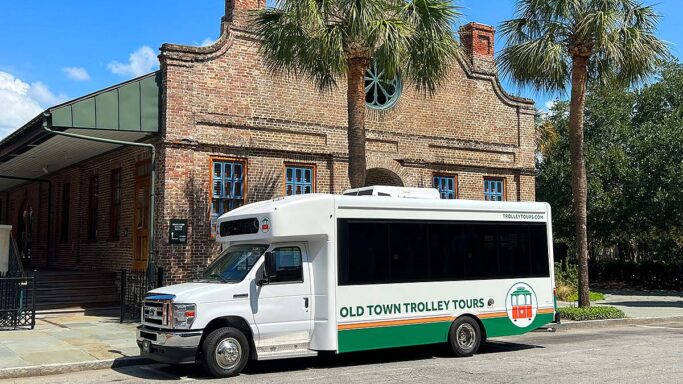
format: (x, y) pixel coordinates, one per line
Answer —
(220, 101)
(77, 250)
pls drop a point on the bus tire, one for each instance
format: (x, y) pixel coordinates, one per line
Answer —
(464, 336)
(225, 352)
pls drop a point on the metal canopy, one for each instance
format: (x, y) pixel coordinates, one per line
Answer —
(126, 112)
(130, 106)
(57, 153)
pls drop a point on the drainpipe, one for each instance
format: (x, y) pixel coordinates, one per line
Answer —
(150, 260)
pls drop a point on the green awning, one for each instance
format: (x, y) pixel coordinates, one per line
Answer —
(130, 106)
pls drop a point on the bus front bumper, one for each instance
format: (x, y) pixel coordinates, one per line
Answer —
(170, 347)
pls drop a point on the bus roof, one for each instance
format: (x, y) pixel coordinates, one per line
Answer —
(314, 214)
(342, 202)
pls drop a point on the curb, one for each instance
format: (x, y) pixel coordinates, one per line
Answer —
(569, 325)
(60, 368)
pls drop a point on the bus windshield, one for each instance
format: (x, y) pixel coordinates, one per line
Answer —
(234, 263)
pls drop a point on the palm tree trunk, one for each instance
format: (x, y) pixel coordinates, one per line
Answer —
(578, 168)
(355, 96)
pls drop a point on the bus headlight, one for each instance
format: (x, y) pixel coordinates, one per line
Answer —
(184, 315)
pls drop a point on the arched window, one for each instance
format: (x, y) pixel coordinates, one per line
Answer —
(381, 93)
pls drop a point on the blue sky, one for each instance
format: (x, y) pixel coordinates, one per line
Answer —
(53, 51)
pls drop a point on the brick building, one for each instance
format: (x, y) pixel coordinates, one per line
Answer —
(226, 133)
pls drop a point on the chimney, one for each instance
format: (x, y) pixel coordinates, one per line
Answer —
(477, 39)
(237, 11)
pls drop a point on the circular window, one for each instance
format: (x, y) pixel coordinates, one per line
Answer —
(381, 93)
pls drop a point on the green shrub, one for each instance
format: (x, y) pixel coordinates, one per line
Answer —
(566, 274)
(594, 296)
(590, 313)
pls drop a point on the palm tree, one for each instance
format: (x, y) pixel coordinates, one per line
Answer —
(331, 40)
(554, 43)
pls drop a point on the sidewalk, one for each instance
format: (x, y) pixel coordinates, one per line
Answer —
(68, 339)
(641, 304)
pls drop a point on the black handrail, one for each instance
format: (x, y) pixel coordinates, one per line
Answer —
(17, 302)
(133, 287)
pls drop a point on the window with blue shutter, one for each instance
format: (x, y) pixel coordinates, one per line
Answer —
(298, 180)
(446, 186)
(493, 189)
(227, 191)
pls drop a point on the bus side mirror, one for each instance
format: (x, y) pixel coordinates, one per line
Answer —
(268, 269)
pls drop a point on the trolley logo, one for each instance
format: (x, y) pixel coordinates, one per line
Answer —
(265, 225)
(521, 305)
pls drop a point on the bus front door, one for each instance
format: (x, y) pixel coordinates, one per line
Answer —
(282, 308)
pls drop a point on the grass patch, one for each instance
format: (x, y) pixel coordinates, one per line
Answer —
(590, 313)
(594, 296)
(569, 293)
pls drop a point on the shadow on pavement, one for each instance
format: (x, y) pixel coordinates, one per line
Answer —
(646, 304)
(326, 360)
(637, 292)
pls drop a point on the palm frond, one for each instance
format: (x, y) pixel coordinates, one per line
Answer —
(316, 38)
(432, 48)
(299, 38)
(542, 63)
(618, 37)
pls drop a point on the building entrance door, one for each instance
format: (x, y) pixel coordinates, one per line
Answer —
(141, 216)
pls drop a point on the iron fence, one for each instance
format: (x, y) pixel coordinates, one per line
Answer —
(134, 285)
(17, 302)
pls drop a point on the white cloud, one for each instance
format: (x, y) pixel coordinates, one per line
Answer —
(39, 92)
(208, 41)
(76, 73)
(21, 102)
(550, 104)
(140, 62)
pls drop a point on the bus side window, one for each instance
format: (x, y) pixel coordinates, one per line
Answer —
(288, 265)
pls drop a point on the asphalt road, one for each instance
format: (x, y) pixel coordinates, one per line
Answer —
(635, 354)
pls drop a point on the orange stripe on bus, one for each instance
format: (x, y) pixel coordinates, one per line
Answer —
(492, 314)
(424, 320)
(388, 323)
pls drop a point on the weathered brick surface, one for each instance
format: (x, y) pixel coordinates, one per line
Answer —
(221, 102)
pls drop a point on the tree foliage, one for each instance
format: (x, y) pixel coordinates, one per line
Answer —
(315, 38)
(618, 36)
(634, 160)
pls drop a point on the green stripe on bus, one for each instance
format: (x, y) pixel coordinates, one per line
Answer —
(503, 326)
(364, 339)
(394, 336)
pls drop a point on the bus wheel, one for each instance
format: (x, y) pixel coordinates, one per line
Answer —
(464, 336)
(225, 352)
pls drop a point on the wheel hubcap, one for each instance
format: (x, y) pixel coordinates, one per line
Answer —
(228, 353)
(466, 336)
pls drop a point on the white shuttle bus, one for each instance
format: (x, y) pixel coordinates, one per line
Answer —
(311, 273)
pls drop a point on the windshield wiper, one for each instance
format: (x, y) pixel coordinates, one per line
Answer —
(221, 278)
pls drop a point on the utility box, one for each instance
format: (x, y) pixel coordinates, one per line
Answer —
(5, 231)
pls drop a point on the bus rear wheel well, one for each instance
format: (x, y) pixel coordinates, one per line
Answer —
(233, 322)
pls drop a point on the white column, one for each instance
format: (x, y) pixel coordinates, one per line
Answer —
(5, 231)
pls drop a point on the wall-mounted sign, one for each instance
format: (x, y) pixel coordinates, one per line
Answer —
(177, 231)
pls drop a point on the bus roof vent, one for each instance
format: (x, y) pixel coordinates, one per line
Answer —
(387, 191)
